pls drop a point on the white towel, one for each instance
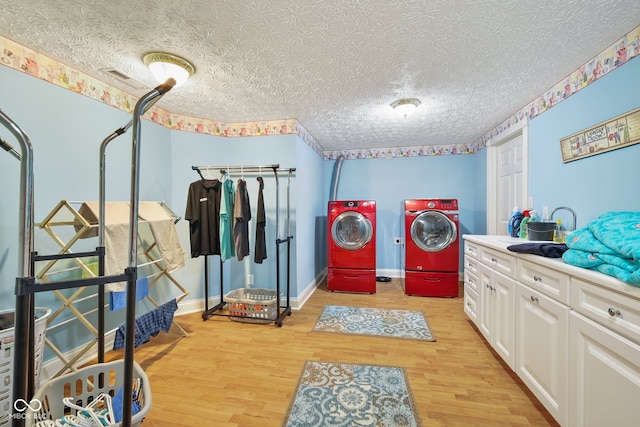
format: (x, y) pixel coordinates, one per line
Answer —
(116, 235)
(165, 233)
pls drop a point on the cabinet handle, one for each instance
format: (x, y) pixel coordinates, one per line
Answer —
(494, 260)
(537, 278)
(534, 299)
(614, 312)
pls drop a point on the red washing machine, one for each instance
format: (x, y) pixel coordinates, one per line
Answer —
(352, 246)
(432, 247)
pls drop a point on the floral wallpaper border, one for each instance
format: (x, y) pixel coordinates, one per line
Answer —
(28, 61)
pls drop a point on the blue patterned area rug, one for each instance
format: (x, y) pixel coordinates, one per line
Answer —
(407, 324)
(337, 394)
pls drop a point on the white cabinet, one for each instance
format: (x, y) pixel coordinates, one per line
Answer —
(617, 312)
(572, 335)
(471, 281)
(542, 349)
(489, 296)
(496, 310)
(471, 286)
(604, 376)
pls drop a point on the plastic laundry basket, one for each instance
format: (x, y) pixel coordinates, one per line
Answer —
(7, 342)
(84, 385)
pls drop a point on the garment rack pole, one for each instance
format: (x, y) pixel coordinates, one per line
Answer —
(26, 287)
(23, 323)
(223, 169)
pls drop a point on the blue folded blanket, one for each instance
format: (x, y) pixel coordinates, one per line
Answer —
(610, 244)
(619, 231)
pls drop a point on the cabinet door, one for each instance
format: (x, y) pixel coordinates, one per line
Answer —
(542, 349)
(503, 325)
(486, 306)
(604, 376)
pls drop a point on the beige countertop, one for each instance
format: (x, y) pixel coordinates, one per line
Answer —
(501, 243)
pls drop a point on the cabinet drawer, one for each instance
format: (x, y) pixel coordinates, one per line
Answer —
(471, 249)
(499, 261)
(471, 304)
(546, 280)
(614, 311)
(471, 281)
(471, 264)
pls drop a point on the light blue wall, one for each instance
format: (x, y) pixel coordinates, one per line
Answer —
(310, 217)
(479, 185)
(597, 184)
(390, 181)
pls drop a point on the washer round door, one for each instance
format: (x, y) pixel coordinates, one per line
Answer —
(433, 231)
(351, 231)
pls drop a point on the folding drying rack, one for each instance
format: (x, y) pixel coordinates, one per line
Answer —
(65, 216)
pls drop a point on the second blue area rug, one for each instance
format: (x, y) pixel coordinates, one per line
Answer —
(409, 324)
(339, 394)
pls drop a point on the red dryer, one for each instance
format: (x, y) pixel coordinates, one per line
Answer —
(432, 247)
(352, 246)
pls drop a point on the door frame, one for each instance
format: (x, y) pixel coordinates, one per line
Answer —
(520, 128)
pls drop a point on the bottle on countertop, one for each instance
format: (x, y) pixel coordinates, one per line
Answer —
(524, 231)
(545, 213)
(558, 236)
(514, 222)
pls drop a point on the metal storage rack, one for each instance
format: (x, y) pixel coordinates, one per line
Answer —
(281, 311)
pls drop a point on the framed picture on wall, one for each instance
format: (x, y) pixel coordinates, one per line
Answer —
(611, 134)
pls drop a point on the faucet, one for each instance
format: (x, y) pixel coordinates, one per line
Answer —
(567, 209)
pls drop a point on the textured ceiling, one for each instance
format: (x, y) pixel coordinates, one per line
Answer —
(335, 66)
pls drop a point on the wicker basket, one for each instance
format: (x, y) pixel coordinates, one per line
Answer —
(252, 305)
(6, 357)
(84, 385)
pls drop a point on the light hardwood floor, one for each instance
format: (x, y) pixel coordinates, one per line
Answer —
(228, 373)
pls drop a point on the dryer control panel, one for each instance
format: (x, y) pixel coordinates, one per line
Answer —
(416, 205)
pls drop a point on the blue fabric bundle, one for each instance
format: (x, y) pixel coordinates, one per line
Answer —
(148, 325)
(609, 244)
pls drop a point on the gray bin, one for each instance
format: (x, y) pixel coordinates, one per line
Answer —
(541, 230)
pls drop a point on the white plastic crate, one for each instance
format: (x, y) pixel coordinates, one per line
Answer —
(85, 385)
(7, 342)
(252, 305)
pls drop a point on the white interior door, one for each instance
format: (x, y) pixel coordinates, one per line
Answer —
(507, 178)
(510, 170)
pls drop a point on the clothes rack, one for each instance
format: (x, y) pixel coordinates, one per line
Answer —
(26, 286)
(281, 311)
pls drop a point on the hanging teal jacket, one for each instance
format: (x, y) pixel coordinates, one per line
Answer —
(227, 246)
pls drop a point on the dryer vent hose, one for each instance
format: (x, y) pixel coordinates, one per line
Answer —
(335, 178)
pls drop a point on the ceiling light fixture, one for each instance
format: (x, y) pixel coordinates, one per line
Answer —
(405, 106)
(165, 65)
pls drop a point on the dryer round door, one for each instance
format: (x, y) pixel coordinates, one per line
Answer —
(433, 231)
(351, 231)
